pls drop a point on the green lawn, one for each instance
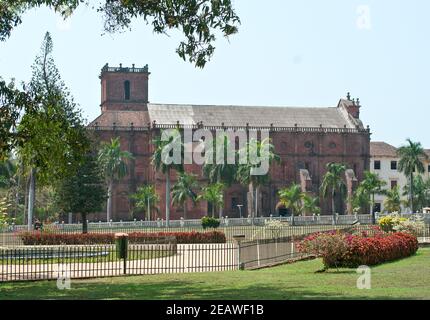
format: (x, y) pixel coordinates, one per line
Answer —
(405, 279)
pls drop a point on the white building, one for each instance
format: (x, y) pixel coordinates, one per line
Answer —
(384, 161)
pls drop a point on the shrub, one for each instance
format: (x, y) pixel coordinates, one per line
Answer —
(209, 222)
(409, 226)
(274, 227)
(389, 222)
(41, 238)
(348, 250)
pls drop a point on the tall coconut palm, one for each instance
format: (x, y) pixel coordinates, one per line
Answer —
(162, 162)
(213, 194)
(393, 201)
(372, 185)
(184, 190)
(333, 182)
(113, 164)
(411, 156)
(215, 170)
(246, 172)
(291, 198)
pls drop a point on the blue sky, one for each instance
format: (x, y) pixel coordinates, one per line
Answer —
(287, 53)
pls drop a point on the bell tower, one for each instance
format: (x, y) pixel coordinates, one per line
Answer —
(124, 88)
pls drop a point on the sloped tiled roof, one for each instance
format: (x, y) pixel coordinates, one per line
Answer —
(254, 116)
(382, 149)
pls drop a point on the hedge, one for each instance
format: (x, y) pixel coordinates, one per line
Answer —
(42, 238)
(353, 250)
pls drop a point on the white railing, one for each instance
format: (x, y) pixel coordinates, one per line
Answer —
(225, 222)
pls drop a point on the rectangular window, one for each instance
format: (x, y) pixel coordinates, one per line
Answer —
(393, 184)
(393, 165)
(377, 165)
(428, 169)
(377, 207)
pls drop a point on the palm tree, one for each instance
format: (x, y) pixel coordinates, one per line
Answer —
(333, 182)
(246, 172)
(393, 201)
(421, 192)
(291, 198)
(213, 194)
(184, 190)
(410, 162)
(162, 162)
(146, 199)
(310, 204)
(360, 200)
(113, 164)
(219, 171)
(372, 185)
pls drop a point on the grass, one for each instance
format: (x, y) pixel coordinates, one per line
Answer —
(404, 279)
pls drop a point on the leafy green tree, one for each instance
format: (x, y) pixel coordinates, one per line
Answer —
(291, 198)
(8, 171)
(213, 194)
(184, 190)
(372, 185)
(146, 199)
(83, 193)
(411, 156)
(54, 134)
(333, 182)
(113, 164)
(199, 21)
(393, 200)
(13, 103)
(266, 153)
(162, 162)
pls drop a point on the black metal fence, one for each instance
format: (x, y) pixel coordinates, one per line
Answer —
(59, 262)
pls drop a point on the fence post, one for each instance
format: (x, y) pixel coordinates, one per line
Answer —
(121, 241)
(239, 239)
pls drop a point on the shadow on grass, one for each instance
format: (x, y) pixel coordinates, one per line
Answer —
(176, 290)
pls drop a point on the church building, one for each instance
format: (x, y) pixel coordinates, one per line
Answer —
(305, 138)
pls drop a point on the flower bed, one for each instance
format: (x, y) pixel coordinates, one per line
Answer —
(352, 250)
(41, 238)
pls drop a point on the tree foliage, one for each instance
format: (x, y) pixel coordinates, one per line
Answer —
(84, 192)
(411, 156)
(198, 20)
(146, 199)
(184, 190)
(53, 133)
(291, 197)
(213, 194)
(333, 182)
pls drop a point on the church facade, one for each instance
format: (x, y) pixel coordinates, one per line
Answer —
(305, 138)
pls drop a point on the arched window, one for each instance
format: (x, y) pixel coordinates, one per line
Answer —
(127, 90)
